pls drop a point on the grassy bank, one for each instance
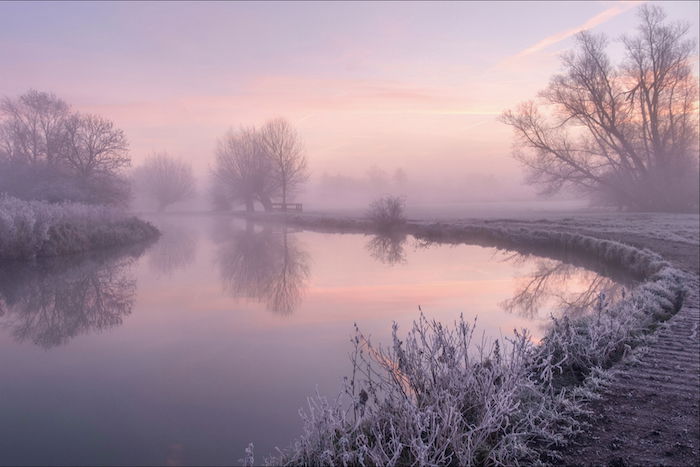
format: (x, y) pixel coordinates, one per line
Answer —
(431, 397)
(30, 229)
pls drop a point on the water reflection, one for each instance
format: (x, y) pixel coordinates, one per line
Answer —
(265, 264)
(50, 301)
(176, 360)
(174, 250)
(388, 248)
(560, 286)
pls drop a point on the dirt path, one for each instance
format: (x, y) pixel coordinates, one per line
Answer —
(650, 413)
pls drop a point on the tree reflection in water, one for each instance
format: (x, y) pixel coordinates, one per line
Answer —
(174, 250)
(265, 264)
(388, 247)
(551, 284)
(50, 301)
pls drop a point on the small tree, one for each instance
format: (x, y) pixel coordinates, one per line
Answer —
(283, 146)
(387, 213)
(166, 180)
(626, 134)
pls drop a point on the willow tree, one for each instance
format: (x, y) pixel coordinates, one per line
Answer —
(624, 134)
(243, 172)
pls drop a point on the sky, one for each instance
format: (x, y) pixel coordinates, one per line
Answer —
(417, 85)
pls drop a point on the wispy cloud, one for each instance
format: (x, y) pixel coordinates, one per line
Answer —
(596, 20)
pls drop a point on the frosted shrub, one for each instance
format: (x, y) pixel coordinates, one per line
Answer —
(434, 399)
(37, 228)
(387, 213)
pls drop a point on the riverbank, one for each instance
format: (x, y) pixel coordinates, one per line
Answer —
(30, 229)
(646, 423)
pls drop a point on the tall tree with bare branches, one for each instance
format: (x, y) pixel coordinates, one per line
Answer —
(624, 134)
(284, 148)
(94, 146)
(33, 127)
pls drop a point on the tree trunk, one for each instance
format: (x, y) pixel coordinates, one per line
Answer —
(267, 204)
(284, 197)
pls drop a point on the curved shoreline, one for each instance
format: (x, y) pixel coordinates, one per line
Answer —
(672, 293)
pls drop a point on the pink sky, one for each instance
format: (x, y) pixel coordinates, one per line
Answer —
(416, 85)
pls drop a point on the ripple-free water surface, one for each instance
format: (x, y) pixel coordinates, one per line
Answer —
(184, 351)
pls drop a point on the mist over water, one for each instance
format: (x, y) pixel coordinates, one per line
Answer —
(214, 336)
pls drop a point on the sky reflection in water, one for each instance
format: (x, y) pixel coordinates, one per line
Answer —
(215, 335)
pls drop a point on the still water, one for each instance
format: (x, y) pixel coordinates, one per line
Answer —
(184, 351)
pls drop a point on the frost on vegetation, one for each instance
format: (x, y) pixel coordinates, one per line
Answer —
(436, 399)
(432, 399)
(37, 228)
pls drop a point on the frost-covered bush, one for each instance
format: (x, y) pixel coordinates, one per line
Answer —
(387, 213)
(36, 228)
(435, 399)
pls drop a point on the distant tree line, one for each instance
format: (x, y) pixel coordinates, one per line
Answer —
(50, 152)
(257, 165)
(627, 134)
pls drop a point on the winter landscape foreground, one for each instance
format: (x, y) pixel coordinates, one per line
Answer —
(643, 404)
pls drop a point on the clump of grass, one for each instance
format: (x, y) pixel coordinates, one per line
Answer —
(387, 213)
(36, 228)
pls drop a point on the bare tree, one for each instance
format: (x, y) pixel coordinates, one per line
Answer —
(627, 134)
(32, 129)
(387, 213)
(283, 146)
(166, 180)
(243, 171)
(47, 152)
(95, 146)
